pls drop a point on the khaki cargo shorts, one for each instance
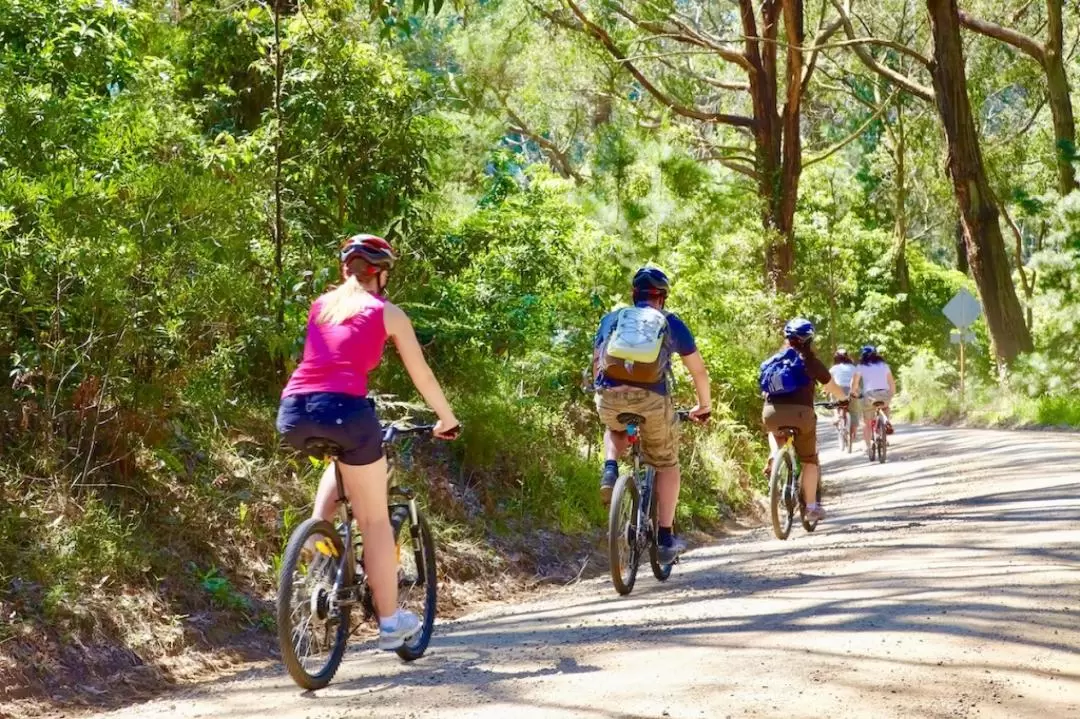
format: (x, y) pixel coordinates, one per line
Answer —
(775, 416)
(659, 434)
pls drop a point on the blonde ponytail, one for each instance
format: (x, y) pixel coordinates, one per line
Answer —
(343, 302)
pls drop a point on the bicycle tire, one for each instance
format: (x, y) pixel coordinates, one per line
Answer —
(776, 495)
(660, 571)
(415, 647)
(293, 555)
(618, 535)
(882, 441)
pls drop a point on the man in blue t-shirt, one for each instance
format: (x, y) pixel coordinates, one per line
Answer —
(651, 400)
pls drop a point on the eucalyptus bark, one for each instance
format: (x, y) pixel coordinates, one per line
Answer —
(978, 208)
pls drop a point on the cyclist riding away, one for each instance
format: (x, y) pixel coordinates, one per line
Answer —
(875, 379)
(787, 382)
(842, 371)
(632, 354)
(326, 398)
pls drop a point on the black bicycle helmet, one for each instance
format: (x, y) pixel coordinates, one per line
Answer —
(651, 280)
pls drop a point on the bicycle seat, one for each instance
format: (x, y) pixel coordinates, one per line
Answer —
(630, 418)
(879, 403)
(321, 447)
(793, 431)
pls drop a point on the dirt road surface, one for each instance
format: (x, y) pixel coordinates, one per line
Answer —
(945, 583)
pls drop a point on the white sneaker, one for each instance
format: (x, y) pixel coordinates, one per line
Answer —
(406, 625)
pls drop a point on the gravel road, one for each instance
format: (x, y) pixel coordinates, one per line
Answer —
(945, 583)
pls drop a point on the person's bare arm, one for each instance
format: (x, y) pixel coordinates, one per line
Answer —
(401, 330)
(892, 382)
(835, 390)
(695, 365)
(855, 382)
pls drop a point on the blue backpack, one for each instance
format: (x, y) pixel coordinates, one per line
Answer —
(783, 373)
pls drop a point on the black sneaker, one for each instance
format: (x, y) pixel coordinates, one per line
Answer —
(607, 485)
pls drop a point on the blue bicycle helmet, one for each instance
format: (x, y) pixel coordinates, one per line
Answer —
(867, 350)
(800, 329)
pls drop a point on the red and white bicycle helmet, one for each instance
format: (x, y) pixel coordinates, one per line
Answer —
(374, 250)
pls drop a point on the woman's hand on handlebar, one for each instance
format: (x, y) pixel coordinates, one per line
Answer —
(443, 431)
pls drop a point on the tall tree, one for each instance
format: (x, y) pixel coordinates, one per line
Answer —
(979, 213)
(696, 74)
(1050, 55)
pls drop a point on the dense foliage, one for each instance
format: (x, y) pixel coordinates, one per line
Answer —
(175, 178)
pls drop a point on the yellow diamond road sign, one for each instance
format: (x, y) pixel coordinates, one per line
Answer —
(962, 309)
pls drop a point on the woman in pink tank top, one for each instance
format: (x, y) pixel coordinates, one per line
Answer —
(326, 398)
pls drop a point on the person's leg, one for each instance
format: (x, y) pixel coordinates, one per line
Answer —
(615, 444)
(660, 447)
(806, 447)
(326, 496)
(668, 482)
(608, 407)
(366, 488)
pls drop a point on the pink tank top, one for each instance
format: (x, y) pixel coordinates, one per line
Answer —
(338, 358)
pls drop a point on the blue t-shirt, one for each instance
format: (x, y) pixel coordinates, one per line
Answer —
(678, 339)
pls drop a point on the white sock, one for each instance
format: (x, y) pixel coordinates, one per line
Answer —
(390, 623)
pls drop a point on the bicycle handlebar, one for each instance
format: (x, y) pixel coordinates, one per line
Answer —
(684, 415)
(392, 431)
(832, 405)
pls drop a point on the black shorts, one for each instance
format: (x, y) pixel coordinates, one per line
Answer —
(341, 418)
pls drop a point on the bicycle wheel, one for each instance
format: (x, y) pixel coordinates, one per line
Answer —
(881, 441)
(418, 586)
(871, 451)
(313, 625)
(660, 571)
(842, 432)
(782, 476)
(624, 551)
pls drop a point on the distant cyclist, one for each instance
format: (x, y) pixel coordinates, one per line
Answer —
(788, 380)
(842, 371)
(326, 397)
(874, 381)
(632, 354)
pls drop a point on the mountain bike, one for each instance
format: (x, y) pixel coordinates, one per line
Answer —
(785, 489)
(845, 429)
(322, 576)
(878, 433)
(633, 526)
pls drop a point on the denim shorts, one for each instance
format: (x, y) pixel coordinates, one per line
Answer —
(341, 418)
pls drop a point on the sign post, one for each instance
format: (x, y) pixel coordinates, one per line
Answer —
(962, 310)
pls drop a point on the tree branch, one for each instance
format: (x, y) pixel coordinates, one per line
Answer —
(663, 98)
(819, 43)
(1019, 40)
(916, 89)
(554, 153)
(685, 34)
(853, 136)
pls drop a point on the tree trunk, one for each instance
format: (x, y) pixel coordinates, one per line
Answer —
(777, 143)
(900, 227)
(1060, 102)
(978, 208)
(961, 248)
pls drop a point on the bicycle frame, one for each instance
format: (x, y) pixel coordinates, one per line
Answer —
(645, 485)
(788, 448)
